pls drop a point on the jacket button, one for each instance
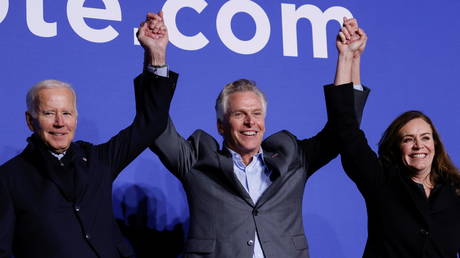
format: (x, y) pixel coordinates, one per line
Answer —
(424, 232)
(250, 242)
(255, 212)
(77, 208)
(87, 236)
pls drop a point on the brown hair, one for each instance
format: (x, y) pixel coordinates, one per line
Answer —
(442, 168)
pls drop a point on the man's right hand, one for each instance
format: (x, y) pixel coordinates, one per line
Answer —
(153, 36)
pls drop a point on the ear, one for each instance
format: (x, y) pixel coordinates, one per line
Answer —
(30, 121)
(220, 127)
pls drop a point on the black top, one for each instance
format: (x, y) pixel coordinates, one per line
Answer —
(402, 222)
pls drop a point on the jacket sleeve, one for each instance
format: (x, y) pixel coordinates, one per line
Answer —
(177, 154)
(359, 161)
(324, 147)
(7, 221)
(153, 98)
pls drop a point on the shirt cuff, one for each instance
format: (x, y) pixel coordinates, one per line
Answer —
(358, 87)
(162, 71)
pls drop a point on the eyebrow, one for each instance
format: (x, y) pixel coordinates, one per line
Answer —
(247, 110)
(412, 135)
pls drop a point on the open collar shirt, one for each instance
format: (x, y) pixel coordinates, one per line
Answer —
(255, 178)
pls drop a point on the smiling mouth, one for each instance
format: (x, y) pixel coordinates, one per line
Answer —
(418, 155)
(249, 133)
(57, 134)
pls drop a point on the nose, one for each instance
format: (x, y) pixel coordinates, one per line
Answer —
(249, 121)
(417, 144)
(58, 121)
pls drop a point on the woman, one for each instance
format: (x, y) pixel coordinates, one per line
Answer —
(412, 189)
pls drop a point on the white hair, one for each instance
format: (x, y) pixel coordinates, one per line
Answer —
(32, 94)
(240, 85)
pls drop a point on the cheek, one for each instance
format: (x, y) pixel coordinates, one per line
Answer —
(72, 124)
(405, 150)
(42, 124)
(261, 124)
(432, 147)
(234, 126)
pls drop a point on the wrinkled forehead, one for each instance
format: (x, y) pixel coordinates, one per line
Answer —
(56, 96)
(245, 99)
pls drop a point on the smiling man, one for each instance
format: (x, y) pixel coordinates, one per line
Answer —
(52, 114)
(56, 196)
(245, 198)
(241, 109)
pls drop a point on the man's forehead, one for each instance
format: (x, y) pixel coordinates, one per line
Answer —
(244, 101)
(55, 92)
(62, 95)
(244, 96)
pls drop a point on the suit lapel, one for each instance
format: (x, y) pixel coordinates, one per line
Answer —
(80, 161)
(46, 164)
(226, 166)
(273, 162)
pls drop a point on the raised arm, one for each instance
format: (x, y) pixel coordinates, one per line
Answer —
(176, 153)
(153, 36)
(358, 159)
(153, 95)
(350, 44)
(356, 34)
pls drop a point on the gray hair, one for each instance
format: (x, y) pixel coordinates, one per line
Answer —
(240, 85)
(32, 94)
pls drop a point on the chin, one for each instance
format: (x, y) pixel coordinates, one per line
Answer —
(418, 168)
(59, 148)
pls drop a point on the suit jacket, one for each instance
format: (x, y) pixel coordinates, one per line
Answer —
(402, 222)
(223, 218)
(51, 208)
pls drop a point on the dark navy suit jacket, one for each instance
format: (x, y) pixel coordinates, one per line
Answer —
(55, 209)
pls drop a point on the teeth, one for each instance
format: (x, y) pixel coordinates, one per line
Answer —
(249, 133)
(420, 155)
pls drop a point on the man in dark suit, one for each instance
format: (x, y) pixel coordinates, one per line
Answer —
(245, 199)
(56, 196)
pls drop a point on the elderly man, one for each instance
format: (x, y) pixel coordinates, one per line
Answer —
(56, 196)
(245, 198)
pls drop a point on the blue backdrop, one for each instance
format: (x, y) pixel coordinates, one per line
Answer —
(410, 63)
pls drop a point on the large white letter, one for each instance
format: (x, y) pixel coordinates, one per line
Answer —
(76, 14)
(3, 9)
(37, 25)
(170, 9)
(318, 21)
(224, 26)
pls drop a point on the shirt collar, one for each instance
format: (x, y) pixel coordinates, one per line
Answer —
(238, 161)
(59, 156)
